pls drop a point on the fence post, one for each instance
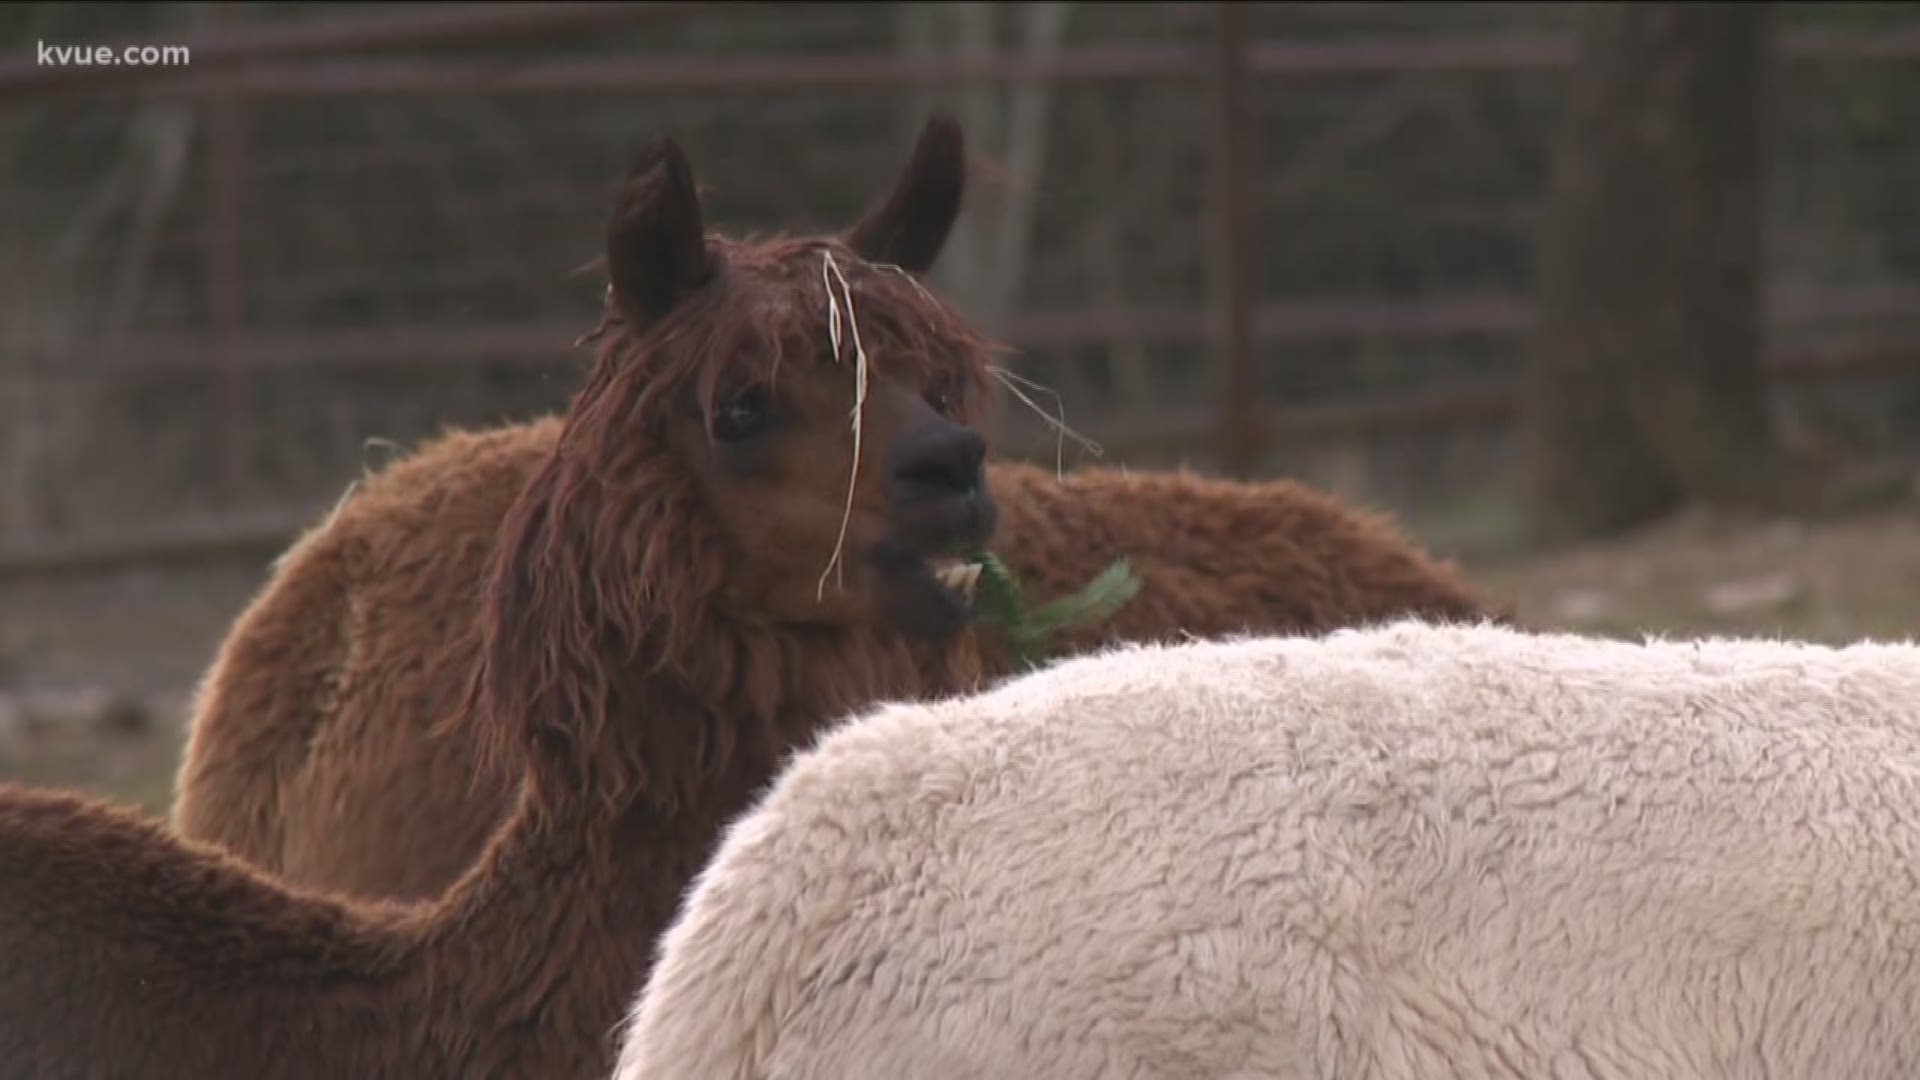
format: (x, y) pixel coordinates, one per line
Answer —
(226, 266)
(1240, 436)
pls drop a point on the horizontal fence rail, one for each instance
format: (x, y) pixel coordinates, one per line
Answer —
(1833, 331)
(262, 533)
(1353, 318)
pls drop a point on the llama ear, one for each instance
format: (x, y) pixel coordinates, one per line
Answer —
(656, 238)
(910, 227)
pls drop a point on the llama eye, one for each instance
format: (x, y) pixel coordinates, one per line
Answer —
(741, 417)
(942, 401)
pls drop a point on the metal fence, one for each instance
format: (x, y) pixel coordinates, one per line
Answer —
(1238, 235)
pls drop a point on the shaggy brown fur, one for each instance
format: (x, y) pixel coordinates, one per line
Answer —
(638, 662)
(312, 754)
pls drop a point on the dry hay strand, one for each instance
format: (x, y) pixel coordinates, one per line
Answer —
(1008, 379)
(829, 270)
(1062, 431)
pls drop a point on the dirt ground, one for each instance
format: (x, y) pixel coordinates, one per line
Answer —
(154, 632)
(96, 674)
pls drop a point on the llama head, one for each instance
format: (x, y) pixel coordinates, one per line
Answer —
(750, 499)
(816, 406)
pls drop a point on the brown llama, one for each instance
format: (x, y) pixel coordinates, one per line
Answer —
(708, 563)
(317, 749)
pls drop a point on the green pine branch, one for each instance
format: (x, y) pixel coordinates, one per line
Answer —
(1003, 602)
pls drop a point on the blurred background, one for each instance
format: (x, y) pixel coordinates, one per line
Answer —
(1617, 304)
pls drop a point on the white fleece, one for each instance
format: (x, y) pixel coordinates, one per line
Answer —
(1402, 852)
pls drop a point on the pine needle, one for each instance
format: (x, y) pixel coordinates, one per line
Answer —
(1002, 601)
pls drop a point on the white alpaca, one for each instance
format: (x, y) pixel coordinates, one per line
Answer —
(1402, 852)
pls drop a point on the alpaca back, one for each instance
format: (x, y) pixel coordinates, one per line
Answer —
(1412, 851)
(128, 953)
(326, 744)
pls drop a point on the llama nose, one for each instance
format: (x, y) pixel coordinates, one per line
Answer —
(940, 461)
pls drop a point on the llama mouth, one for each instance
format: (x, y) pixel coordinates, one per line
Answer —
(926, 594)
(961, 577)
